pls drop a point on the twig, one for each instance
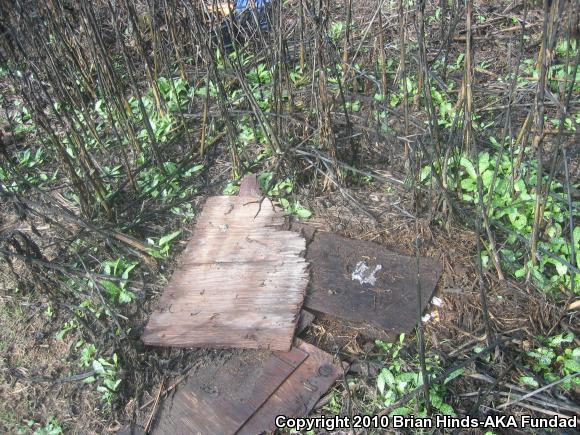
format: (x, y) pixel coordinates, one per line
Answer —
(167, 390)
(153, 411)
(539, 390)
(548, 403)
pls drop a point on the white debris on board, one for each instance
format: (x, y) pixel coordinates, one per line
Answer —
(438, 302)
(426, 317)
(363, 274)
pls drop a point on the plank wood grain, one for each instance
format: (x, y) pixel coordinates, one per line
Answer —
(240, 283)
(298, 394)
(220, 398)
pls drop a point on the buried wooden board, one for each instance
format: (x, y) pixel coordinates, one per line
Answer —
(240, 283)
(365, 283)
(246, 393)
(299, 393)
(220, 398)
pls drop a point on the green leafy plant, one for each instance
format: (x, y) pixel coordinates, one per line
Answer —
(298, 77)
(87, 354)
(353, 106)
(281, 190)
(511, 208)
(261, 74)
(168, 184)
(397, 97)
(231, 189)
(117, 290)
(162, 248)
(336, 31)
(446, 109)
(106, 374)
(400, 377)
(69, 326)
(52, 427)
(556, 359)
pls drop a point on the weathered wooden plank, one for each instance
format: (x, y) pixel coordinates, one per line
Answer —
(240, 283)
(250, 187)
(298, 394)
(383, 295)
(220, 398)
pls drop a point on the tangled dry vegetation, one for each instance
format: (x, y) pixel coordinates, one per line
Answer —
(444, 128)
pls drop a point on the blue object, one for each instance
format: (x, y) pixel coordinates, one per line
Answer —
(242, 5)
(259, 7)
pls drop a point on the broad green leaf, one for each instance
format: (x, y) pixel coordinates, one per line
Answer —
(562, 269)
(487, 178)
(454, 374)
(425, 173)
(518, 220)
(168, 238)
(302, 212)
(529, 380)
(389, 398)
(98, 367)
(520, 186)
(466, 163)
(446, 409)
(468, 184)
(264, 180)
(231, 189)
(436, 399)
(111, 288)
(561, 338)
(484, 162)
(284, 203)
(572, 365)
(125, 296)
(112, 384)
(128, 270)
(385, 378)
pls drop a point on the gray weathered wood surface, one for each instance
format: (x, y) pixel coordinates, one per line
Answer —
(240, 283)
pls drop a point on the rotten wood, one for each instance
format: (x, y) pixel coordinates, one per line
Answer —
(390, 303)
(244, 394)
(299, 393)
(221, 398)
(240, 283)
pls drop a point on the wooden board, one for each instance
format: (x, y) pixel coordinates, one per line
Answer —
(240, 283)
(390, 303)
(299, 393)
(246, 393)
(221, 398)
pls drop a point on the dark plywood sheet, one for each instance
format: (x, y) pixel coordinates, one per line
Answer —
(299, 393)
(221, 398)
(390, 303)
(240, 283)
